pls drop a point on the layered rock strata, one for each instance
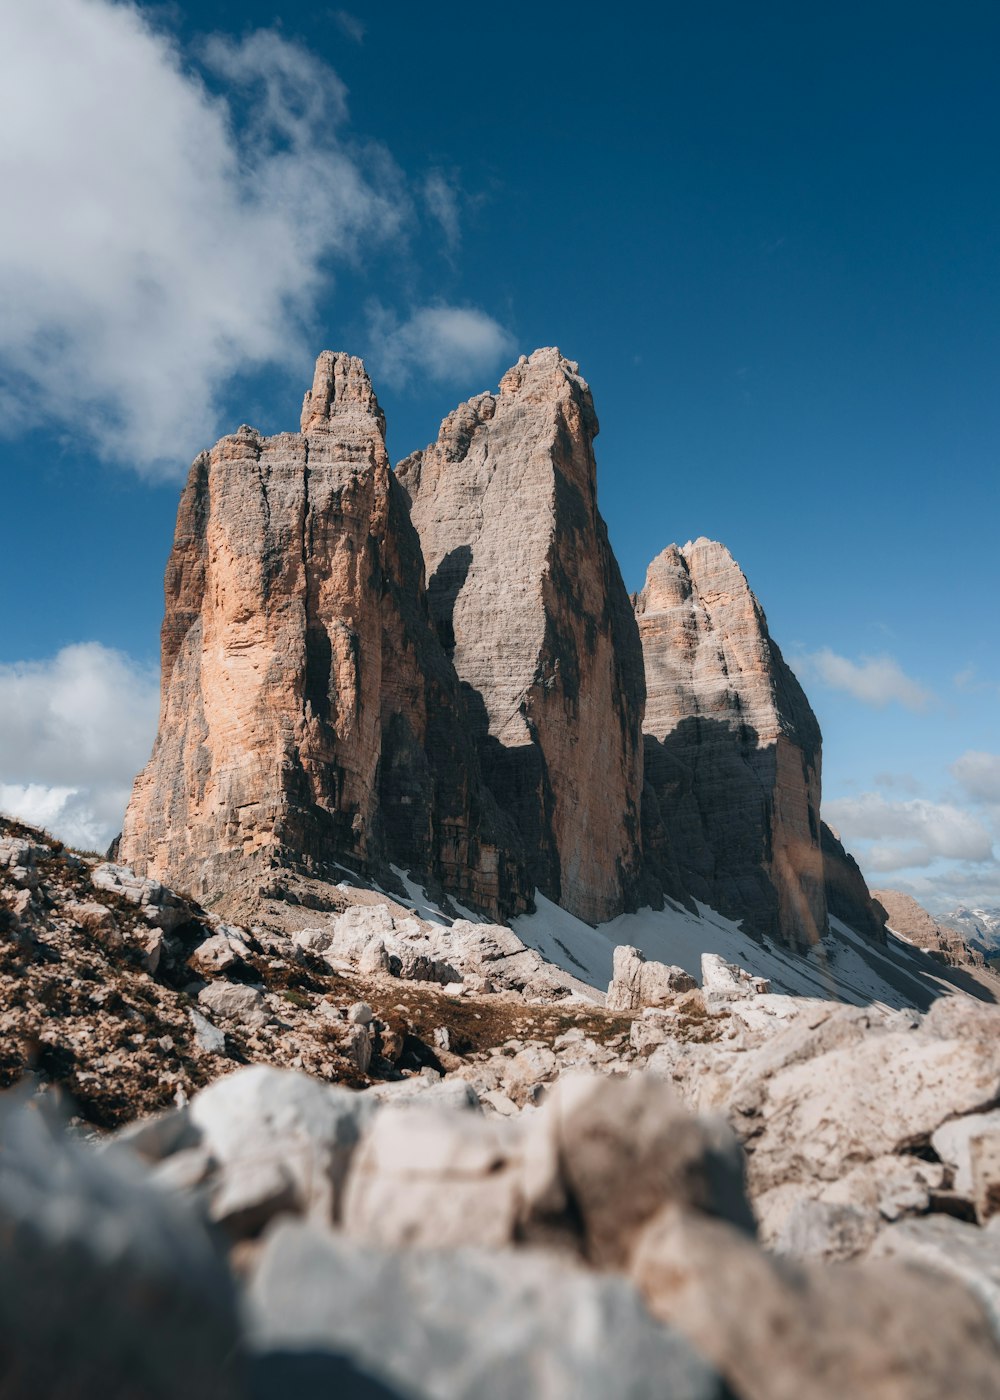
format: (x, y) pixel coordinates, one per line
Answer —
(732, 748)
(309, 715)
(529, 603)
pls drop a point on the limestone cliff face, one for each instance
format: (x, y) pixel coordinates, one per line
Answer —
(732, 748)
(308, 712)
(529, 602)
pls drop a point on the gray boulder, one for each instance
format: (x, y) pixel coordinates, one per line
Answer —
(466, 1324)
(108, 1287)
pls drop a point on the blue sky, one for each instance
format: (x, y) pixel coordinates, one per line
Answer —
(768, 234)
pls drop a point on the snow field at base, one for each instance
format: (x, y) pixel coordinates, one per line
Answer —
(843, 967)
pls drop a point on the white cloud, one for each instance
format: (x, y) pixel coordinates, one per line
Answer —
(441, 197)
(908, 835)
(874, 680)
(74, 731)
(979, 775)
(444, 342)
(156, 238)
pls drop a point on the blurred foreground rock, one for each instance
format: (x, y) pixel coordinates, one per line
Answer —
(600, 1245)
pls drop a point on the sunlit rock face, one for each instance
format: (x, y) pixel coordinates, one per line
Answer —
(309, 715)
(529, 602)
(732, 748)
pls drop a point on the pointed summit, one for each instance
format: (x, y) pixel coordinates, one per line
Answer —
(341, 388)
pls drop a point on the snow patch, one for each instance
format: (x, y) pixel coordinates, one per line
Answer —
(843, 967)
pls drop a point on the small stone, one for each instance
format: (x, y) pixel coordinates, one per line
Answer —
(723, 982)
(500, 1103)
(636, 983)
(251, 1193)
(21, 903)
(208, 1037)
(235, 1002)
(153, 948)
(215, 955)
(952, 1143)
(360, 1014)
(358, 1047)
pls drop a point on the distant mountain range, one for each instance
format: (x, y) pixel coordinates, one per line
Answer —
(977, 926)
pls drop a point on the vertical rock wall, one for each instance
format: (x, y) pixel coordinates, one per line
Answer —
(529, 603)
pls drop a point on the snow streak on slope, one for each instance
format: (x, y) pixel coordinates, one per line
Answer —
(844, 967)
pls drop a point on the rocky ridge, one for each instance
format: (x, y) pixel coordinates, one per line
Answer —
(912, 922)
(128, 998)
(432, 1123)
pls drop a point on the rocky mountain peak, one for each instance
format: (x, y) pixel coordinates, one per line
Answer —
(722, 660)
(530, 605)
(547, 374)
(309, 716)
(732, 749)
(440, 669)
(341, 389)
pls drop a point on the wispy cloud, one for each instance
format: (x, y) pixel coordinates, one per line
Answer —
(874, 680)
(449, 344)
(74, 731)
(970, 681)
(441, 195)
(352, 26)
(165, 237)
(901, 782)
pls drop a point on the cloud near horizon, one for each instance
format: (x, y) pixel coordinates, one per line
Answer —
(76, 728)
(911, 834)
(874, 680)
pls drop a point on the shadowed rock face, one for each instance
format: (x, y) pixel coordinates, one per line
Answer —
(529, 602)
(732, 748)
(847, 895)
(308, 712)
